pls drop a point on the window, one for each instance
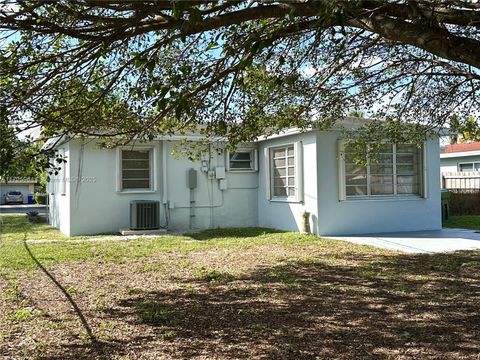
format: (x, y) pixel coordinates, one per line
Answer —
(242, 160)
(469, 166)
(282, 180)
(395, 171)
(136, 169)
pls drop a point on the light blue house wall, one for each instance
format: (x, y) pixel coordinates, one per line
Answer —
(91, 203)
(288, 215)
(374, 215)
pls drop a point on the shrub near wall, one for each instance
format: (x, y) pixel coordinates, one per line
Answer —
(465, 202)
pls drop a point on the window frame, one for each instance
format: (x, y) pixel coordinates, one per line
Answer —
(467, 162)
(422, 174)
(298, 172)
(253, 161)
(152, 169)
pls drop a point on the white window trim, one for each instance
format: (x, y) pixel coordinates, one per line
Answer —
(298, 166)
(153, 170)
(252, 150)
(342, 185)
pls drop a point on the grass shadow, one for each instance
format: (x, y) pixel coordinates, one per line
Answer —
(91, 336)
(410, 306)
(247, 232)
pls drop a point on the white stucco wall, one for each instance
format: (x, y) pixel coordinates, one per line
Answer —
(287, 215)
(58, 190)
(234, 207)
(373, 216)
(97, 207)
(93, 205)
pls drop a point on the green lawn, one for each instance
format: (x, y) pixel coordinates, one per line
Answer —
(238, 293)
(463, 222)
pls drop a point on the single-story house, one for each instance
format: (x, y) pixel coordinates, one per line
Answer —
(460, 166)
(269, 183)
(25, 186)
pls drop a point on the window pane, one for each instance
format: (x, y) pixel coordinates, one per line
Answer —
(283, 171)
(350, 158)
(240, 156)
(279, 191)
(383, 159)
(381, 169)
(408, 189)
(278, 153)
(355, 169)
(386, 148)
(356, 180)
(382, 189)
(135, 169)
(356, 190)
(136, 174)
(277, 182)
(477, 166)
(243, 165)
(136, 154)
(241, 160)
(406, 179)
(135, 164)
(405, 158)
(279, 172)
(381, 172)
(406, 148)
(466, 167)
(381, 179)
(136, 184)
(406, 169)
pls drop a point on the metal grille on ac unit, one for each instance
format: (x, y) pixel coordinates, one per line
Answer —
(144, 215)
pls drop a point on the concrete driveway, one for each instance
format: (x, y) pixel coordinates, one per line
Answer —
(435, 241)
(22, 209)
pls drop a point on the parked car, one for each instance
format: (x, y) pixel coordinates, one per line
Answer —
(14, 197)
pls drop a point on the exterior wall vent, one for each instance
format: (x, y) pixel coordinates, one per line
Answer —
(144, 215)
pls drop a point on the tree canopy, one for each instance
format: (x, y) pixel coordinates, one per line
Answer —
(135, 69)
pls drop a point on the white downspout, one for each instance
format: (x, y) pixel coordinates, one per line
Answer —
(164, 173)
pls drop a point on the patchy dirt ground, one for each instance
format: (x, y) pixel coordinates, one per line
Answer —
(267, 301)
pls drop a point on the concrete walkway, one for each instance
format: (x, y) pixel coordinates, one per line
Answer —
(22, 208)
(434, 241)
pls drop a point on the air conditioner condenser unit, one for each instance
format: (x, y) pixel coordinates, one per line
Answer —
(144, 215)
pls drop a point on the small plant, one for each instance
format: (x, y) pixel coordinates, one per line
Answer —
(34, 217)
(12, 293)
(24, 315)
(206, 274)
(151, 313)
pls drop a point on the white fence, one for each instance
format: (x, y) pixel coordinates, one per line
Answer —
(465, 180)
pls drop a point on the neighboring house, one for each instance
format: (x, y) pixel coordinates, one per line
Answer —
(268, 183)
(25, 186)
(460, 166)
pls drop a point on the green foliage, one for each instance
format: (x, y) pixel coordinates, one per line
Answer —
(89, 70)
(463, 222)
(464, 130)
(18, 158)
(366, 141)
